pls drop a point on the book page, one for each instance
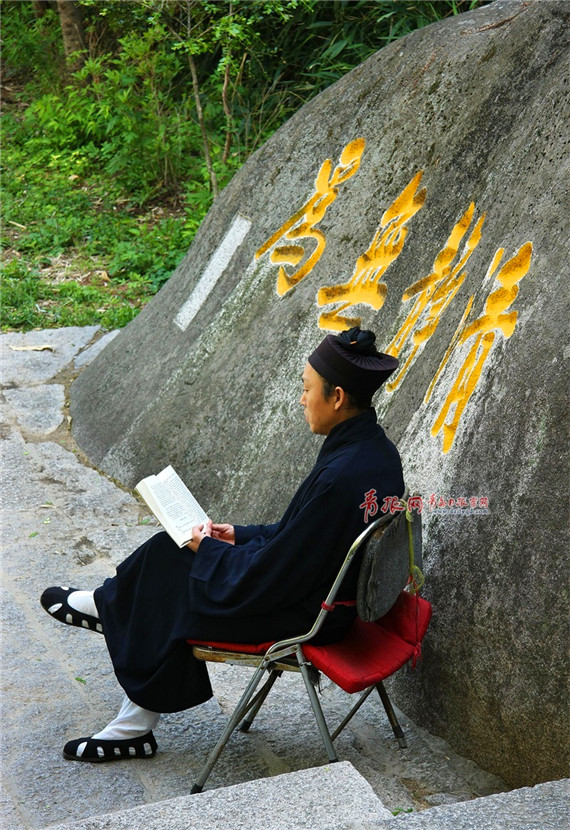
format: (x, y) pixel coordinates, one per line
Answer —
(173, 503)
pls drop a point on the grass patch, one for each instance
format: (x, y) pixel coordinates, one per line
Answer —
(75, 249)
(30, 301)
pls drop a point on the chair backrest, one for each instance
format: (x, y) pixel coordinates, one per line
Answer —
(384, 571)
(385, 565)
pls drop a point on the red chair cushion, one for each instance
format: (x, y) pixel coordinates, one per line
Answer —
(408, 618)
(371, 652)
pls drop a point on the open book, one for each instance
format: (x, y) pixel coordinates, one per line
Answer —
(173, 504)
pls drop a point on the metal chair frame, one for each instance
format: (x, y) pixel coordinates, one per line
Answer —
(287, 655)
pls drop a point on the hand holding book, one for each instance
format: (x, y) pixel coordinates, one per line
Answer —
(198, 533)
(173, 505)
(223, 532)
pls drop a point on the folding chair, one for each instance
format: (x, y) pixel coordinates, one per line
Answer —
(387, 633)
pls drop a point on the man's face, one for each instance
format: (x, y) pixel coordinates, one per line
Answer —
(320, 412)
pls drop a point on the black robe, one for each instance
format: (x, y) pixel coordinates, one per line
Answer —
(267, 586)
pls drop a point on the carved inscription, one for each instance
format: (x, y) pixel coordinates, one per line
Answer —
(301, 226)
(480, 334)
(433, 294)
(298, 245)
(365, 285)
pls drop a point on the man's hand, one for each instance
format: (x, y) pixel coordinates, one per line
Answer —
(198, 534)
(223, 532)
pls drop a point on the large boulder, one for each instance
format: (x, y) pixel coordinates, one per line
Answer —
(423, 195)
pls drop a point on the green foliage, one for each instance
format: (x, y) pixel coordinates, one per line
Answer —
(53, 203)
(30, 48)
(114, 166)
(131, 109)
(119, 116)
(399, 810)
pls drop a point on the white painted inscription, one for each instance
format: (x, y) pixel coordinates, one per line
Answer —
(218, 263)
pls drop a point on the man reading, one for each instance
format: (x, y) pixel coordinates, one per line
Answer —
(244, 584)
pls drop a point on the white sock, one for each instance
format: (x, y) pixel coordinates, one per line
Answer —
(83, 602)
(132, 721)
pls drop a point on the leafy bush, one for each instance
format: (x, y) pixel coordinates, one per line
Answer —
(118, 116)
(56, 209)
(31, 49)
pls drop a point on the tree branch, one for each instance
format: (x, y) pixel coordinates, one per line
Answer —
(199, 111)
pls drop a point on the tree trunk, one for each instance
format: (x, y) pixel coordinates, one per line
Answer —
(228, 112)
(40, 7)
(225, 103)
(202, 123)
(71, 20)
(199, 111)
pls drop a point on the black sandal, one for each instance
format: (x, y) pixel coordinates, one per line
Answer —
(54, 601)
(97, 751)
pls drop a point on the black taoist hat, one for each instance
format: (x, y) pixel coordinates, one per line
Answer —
(351, 360)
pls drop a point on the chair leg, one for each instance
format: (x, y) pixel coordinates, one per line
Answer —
(241, 709)
(352, 712)
(260, 700)
(318, 712)
(397, 729)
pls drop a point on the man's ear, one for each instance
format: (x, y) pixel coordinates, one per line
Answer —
(339, 397)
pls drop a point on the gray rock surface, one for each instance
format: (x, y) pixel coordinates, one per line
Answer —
(39, 409)
(63, 522)
(88, 354)
(474, 109)
(37, 356)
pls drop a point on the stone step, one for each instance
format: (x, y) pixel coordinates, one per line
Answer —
(333, 797)
(543, 807)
